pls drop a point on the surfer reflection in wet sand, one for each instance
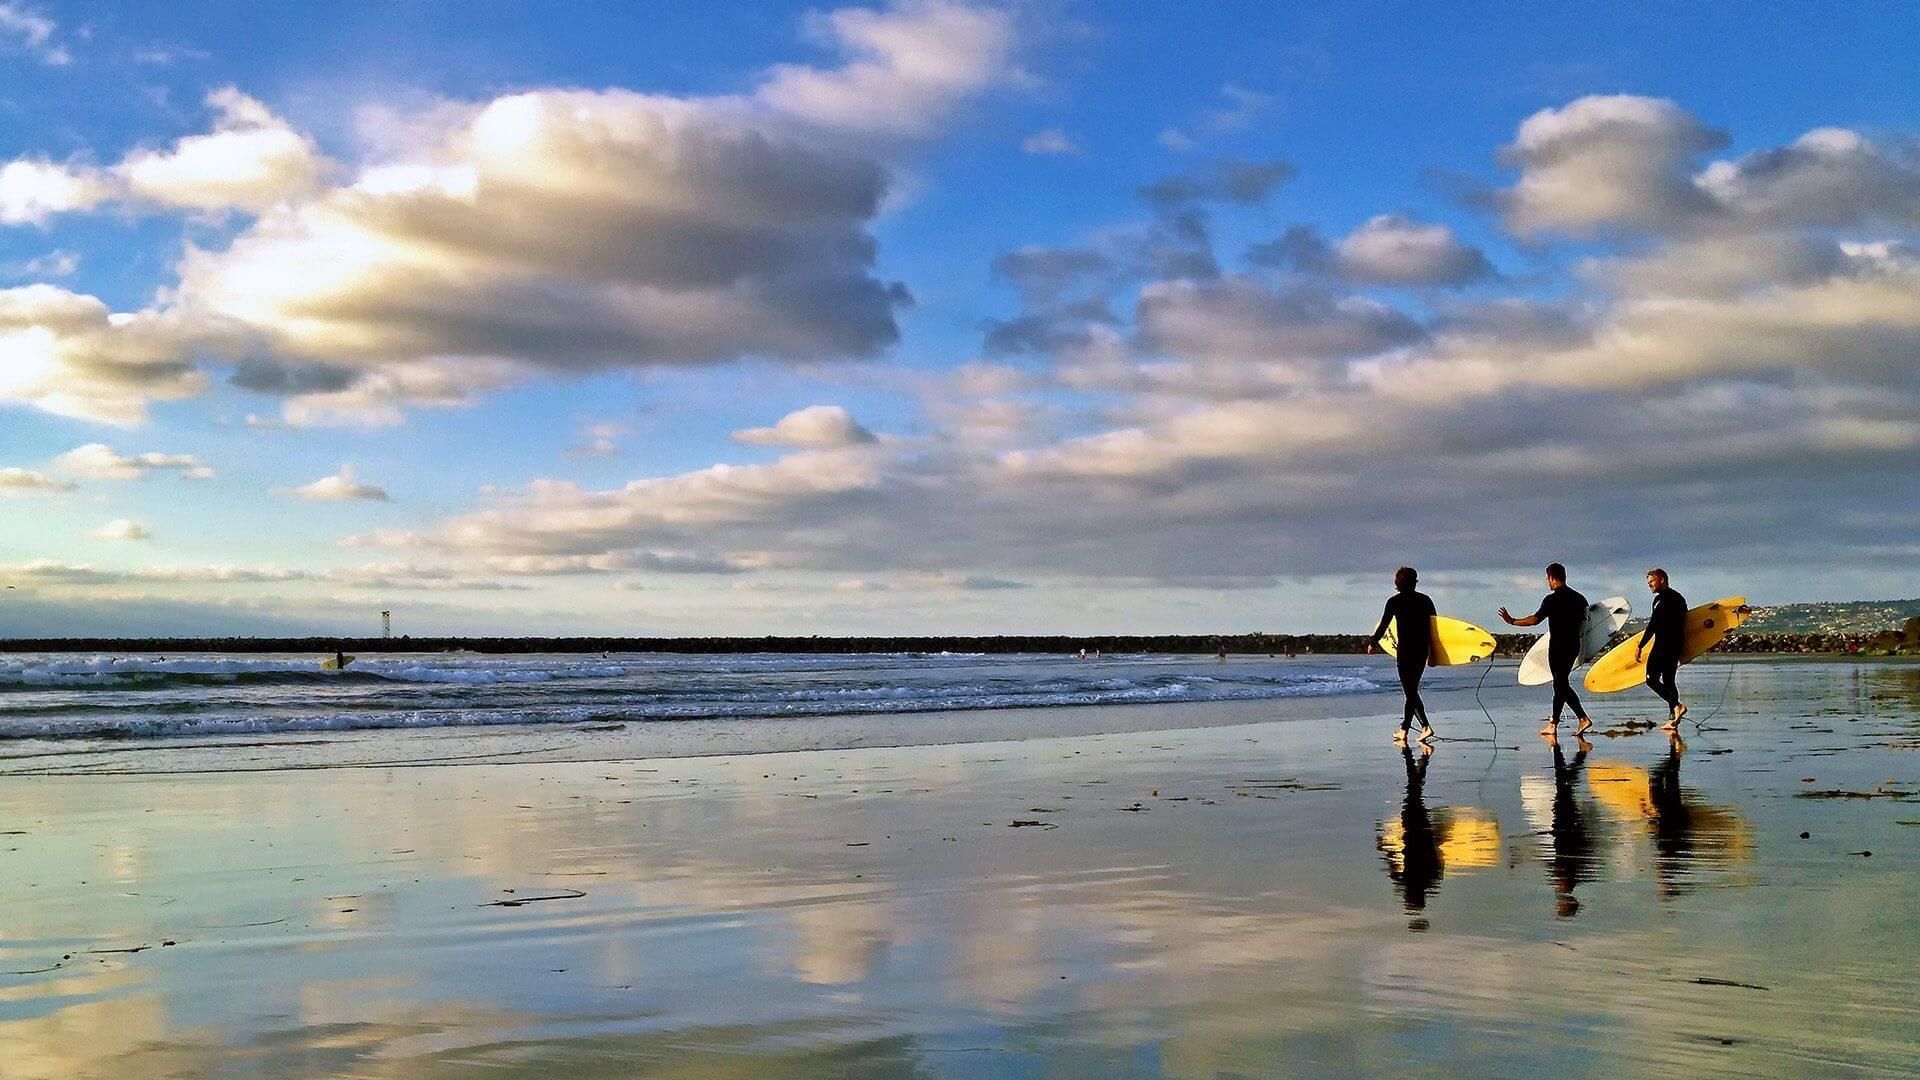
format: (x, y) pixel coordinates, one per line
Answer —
(1672, 822)
(1411, 614)
(1415, 865)
(1667, 630)
(1565, 613)
(1571, 861)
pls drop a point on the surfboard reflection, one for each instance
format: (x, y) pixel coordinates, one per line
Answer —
(1692, 839)
(1420, 845)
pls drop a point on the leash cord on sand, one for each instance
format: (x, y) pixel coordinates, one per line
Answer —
(1701, 725)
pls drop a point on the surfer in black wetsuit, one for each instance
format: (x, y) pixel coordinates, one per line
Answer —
(1565, 613)
(1667, 630)
(1412, 615)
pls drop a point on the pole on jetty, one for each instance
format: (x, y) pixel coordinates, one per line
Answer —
(386, 624)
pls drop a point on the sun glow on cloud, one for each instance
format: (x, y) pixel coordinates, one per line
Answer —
(1217, 386)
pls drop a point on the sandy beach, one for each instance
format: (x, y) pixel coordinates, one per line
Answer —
(1278, 889)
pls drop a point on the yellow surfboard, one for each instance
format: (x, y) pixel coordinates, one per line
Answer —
(1454, 641)
(332, 663)
(1706, 625)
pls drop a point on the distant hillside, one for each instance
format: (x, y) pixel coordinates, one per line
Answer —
(1849, 617)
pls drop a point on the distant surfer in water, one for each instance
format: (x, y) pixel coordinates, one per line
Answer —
(1565, 613)
(1412, 614)
(1667, 630)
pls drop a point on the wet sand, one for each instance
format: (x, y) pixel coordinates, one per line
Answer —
(1284, 893)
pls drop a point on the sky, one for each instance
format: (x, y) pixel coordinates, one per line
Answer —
(936, 316)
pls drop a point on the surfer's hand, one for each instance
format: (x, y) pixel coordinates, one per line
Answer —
(1636, 656)
(1369, 648)
(1506, 617)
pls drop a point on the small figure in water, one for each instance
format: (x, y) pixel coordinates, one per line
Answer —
(1565, 613)
(1412, 613)
(1667, 629)
(340, 660)
(1223, 652)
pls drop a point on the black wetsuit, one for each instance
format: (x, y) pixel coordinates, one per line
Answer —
(1566, 614)
(1667, 629)
(1412, 614)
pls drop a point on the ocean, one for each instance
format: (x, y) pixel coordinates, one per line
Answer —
(67, 696)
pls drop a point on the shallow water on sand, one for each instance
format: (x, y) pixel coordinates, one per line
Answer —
(1250, 900)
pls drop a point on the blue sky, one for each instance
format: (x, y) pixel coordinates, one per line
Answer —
(492, 314)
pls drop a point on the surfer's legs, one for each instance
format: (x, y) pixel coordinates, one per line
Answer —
(1410, 683)
(1660, 672)
(1563, 695)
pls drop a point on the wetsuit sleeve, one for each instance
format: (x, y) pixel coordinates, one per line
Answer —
(1386, 616)
(1545, 602)
(1654, 618)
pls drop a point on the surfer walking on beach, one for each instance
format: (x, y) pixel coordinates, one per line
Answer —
(1565, 613)
(1667, 631)
(1412, 615)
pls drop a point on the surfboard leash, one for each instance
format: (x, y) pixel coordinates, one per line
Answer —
(1701, 725)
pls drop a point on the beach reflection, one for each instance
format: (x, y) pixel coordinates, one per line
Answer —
(1691, 839)
(1420, 845)
(1209, 903)
(1571, 843)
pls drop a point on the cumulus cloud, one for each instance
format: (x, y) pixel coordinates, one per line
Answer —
(98, 461)
(124, 529)
(1240, 319)
(251, 161)
(907, 67)
(548, 232)
(598, 441)
(1601, 161)
(70, 355)
(1390, 249)
(814, 427)
(340, 487)
(18, 481)
(33, 192)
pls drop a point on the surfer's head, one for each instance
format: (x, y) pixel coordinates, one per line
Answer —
(1656, 579)
(1556, 575)
(1405, 578)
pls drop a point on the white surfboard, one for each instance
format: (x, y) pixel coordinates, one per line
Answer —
(1603, 620)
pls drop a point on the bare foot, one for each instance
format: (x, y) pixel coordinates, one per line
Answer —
(1426, 735)
(1586, 725)
(1400, 737)
(1552, 728)
(1679, 713)
(1672, 725)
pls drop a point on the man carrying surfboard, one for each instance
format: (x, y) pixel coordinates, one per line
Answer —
(1565, 613)
(1412, 615)
(1667, 630)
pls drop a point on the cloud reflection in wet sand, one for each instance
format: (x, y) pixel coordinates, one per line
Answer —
(873, 912)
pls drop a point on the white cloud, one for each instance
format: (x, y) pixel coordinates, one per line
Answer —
(908, 67)
(98, 461)
(33, 192)
(814, 427)
(1604, 161)
(1048, 142)
(124, 529)
(340, 487)
(70, 355)
(17, 481)
(28, 30)
(1393, 249)
(251, 161)
(599, 440)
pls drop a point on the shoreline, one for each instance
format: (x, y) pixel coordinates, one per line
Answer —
(1265, 898)
(1506, 645)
